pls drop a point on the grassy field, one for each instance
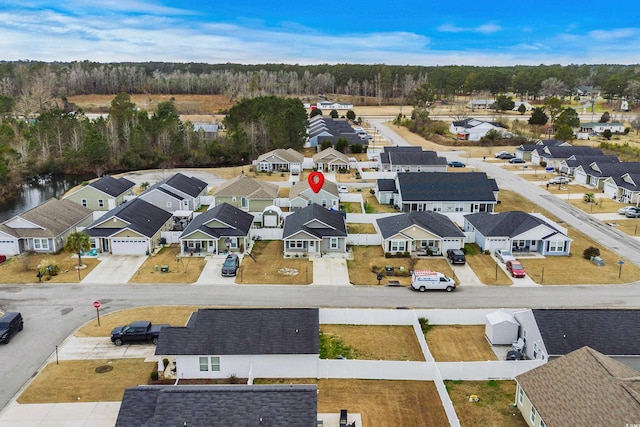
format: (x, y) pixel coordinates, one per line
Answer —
(380, 403)
(484, 266)
(181, 269)
(604, 205)
(271, 267)
(361, 228)
(24, 268)
(459, 343)
(78, 381)
(371, 204)
(629, 226)
(493, 408)
(377, 342)
(351, 207)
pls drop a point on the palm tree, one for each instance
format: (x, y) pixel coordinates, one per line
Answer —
(589, 197)
(78, 242)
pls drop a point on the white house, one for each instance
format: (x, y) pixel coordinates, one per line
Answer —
(471, 129)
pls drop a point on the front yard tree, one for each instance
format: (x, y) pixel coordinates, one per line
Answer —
(538, 117)
(522, 109)
(564, 132)
(78, 242)
(503, 103)
(341, 145)
(333, 114)
(607, 134)
(351, 115)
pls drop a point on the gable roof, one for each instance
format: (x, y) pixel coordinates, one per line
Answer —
(189, 185)
(412, 157)
(224, 405)
(53, 217)
(297, 222)
(613, 332)
(386, 184)
(245, 186)
(112, 186)
(603, 169)
(584, 388)
(446, 186)
(142, 217)
(244, 331)
(585, 161)
(470, 123)
(438, 224)
(511, 224)
(562, 152)
(290, 155)
(328, 186)
(238, 221)
(330, 152)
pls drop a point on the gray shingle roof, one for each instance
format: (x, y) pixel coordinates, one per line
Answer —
(584, 388)
(620, 182)
(612, 169)
(144, 218)
(613, 332)
(239, 222)
(297, 220)
(511, 224)
(585, 161)
(219, 405)
(560, 152)
(419, 157)
(446, 186)
(112, 186)
(189, 185)
(244, 331)
(245, 186)
(438, 224)
(386, 185)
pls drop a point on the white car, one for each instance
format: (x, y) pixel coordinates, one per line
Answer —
(343, 189)
(623, 211)
(504, 255)
(501, 153)
(559, 180)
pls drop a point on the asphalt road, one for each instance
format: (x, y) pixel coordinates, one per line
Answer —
(53, 312)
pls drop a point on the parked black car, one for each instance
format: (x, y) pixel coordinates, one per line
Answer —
(231, 265)
(142, 331)
(10, 324)
(456, 256)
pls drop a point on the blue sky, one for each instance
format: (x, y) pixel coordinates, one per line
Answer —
(310, 32)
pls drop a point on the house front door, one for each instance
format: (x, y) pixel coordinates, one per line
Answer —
(312, 246)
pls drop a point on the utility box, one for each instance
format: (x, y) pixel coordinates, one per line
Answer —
(164, 269)
(597, 261)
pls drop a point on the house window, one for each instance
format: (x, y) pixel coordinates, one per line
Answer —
(324, 203)
(398, 246)
(168, 204)
(459, 207)
(533, 415)
(41, 244)
(101, 203)
(215, 363)
(209, 364)
(520, 395)
(556, 246)
(296, 244)
(542, 424)
(437, 207)
(333, 243)
(84, 202)
(204, 364)
(245, 203)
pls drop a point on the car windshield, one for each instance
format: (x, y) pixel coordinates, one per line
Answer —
(4, 325)
(504, 252)
(517, 266)
(229, 262)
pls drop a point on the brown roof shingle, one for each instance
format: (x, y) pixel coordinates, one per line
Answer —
(54, 217)
(248, 187)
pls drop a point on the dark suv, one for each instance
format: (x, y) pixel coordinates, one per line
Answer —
(10, 324)
(456, 256)
(231, 265)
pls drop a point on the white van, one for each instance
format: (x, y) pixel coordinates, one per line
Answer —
(422, 280)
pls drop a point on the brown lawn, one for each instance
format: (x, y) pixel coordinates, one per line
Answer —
(380, 403)
(77, 381)
(270, 266)
(371, 204)
(459, 343)
(599, 206)
(24, 268)
(195, 107)
(484, 267)
(181, 269)
(378, 342)
(492, 410)
(172, 315)
(360, 228)
(629, 226)
(351, 207)
(366, 259)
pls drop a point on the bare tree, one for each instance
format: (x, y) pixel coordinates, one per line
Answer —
(553, 87)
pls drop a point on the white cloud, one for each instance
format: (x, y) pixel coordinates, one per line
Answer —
(615, 34)
(483, 29)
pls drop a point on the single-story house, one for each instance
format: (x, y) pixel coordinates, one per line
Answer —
(410, 159)
(528, 107)
(625, 188)
(133, 228)
(207, 131)
(223, 228)
(595, 173)
(301, 195)
(329, 105)
(471, 129)
(524, 150)
(569, 165)
(582, 388)
(551, 333)
(445, 192)
(330, 159)
(519, 232)
(177, 193)
(552, 156)
(483, 104)
(246, 193)
(103, 194)
(593, 128)
(314, 229)
(44, 228)
(280, 160)
(224, 405)
(218, 343)
(422, 233)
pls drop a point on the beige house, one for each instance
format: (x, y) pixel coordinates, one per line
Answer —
(301, 195)
(43, 228)
(246, 193)
(280, 160)
(103, 194)
(331, 160)
(582, 388)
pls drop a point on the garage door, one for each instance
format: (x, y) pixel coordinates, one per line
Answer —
(129, 246)
(8, 247)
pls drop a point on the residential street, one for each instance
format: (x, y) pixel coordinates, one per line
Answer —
(53, 311)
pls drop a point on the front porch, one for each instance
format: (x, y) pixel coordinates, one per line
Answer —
(204, 247)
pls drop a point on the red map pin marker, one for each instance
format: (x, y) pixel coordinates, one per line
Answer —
(316, 181)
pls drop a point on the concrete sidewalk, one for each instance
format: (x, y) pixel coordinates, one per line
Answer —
(75, 348)
(115, 269)
(81, 414)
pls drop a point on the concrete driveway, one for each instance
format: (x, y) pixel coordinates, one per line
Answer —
(115, 269)
(328, 270)
(212, 271)
(75, 348)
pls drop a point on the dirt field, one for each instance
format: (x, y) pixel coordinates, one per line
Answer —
(191, 107)
(373, 342)
(380, 403)
(459, 343)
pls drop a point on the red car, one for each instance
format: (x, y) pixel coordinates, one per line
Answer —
(515, 268)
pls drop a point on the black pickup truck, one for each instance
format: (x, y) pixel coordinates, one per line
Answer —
(142, 331)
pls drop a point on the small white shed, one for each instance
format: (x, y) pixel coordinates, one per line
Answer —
(271, 216)
(501, 328)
